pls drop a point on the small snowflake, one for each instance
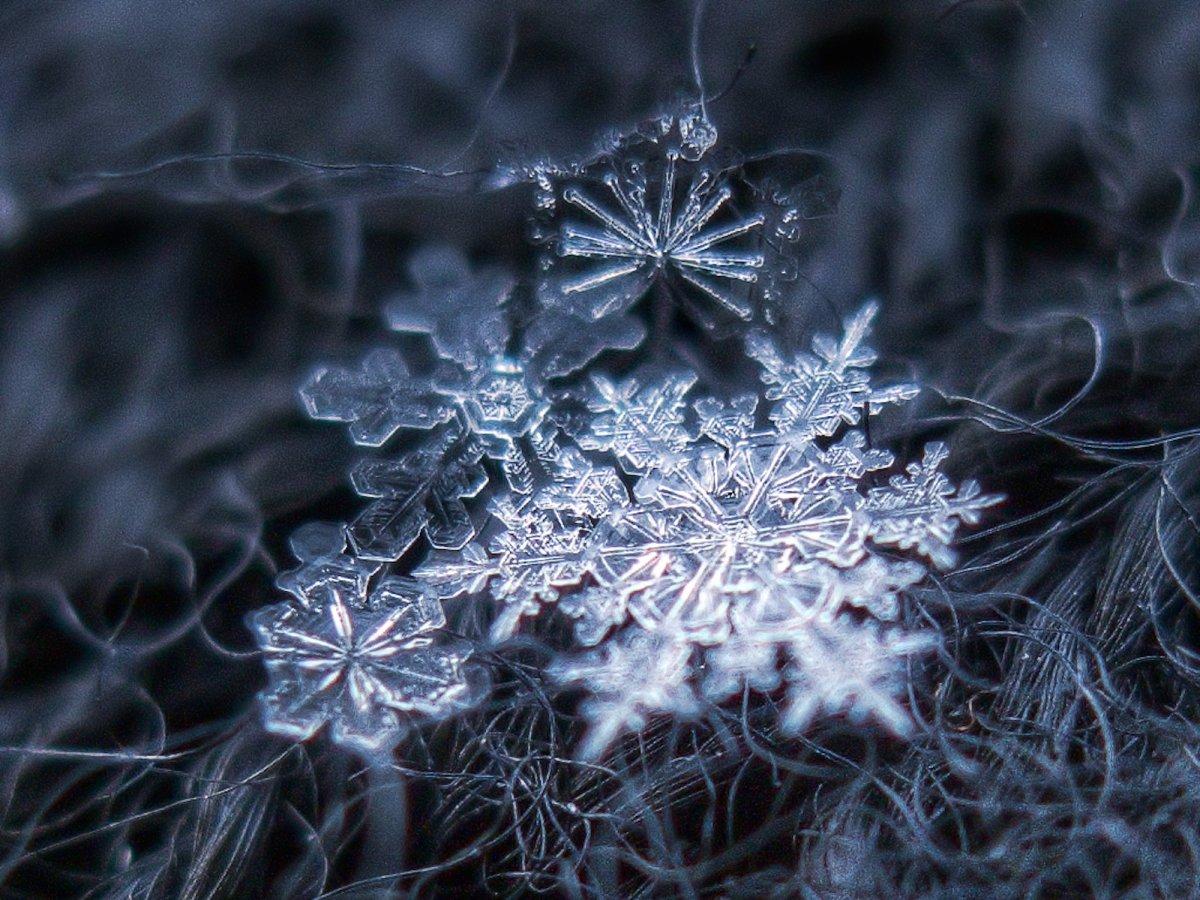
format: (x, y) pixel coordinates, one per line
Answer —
(856, 668)
(629, 678)
(359, 664)
(640, 220)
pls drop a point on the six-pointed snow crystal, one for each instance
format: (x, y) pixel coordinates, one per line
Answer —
(703, 546)
(360, 662)
(646, 216)
(478, 400)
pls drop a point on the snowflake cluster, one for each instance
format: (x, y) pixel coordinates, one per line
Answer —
(702, 546)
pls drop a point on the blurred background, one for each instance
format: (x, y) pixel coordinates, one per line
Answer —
(199, 201)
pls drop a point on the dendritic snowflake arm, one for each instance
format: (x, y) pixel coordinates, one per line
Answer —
(630, 677)
(377, 399)
(858, 669)
(538, 552)
(922, 510)
(727, 424)
(421, 491)
(641, 423)
(815, 394)
(540, 544)
(462, 310)
(359, 665)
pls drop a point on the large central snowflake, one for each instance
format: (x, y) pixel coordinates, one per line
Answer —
(735, 542)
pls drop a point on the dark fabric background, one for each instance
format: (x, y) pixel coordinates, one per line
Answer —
(199, 201)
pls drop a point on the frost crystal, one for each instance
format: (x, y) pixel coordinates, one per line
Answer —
(736, 547)
(357, 661)
(641, 217)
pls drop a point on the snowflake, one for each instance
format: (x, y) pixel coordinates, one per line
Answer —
(857, 668)
(746, 546)
(360, 662)
(638, 219)
(476, 401)
(497, 394)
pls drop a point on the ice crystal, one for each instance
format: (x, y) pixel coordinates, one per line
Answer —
(816, 393)
(842, 666)
(651, 213)
(478, 400)
(735, 547)
(358, 661)
(701, 546)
